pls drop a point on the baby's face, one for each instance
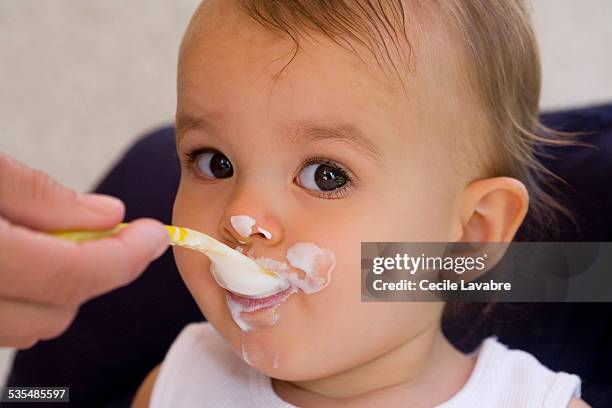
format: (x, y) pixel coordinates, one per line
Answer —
(330, 153)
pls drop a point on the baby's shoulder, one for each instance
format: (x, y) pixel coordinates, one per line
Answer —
(578, 403)
(524, 367)
(504, 375)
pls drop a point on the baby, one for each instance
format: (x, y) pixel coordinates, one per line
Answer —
(306, 127)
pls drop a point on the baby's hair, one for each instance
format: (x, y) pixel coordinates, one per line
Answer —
(499, 53)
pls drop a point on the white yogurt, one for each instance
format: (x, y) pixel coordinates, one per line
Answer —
(243, 224)
(265, 233)
(317, 264)
(241, 275)
(231, 269)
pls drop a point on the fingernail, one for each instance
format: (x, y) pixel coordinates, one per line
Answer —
(162, 249)
(104, 204)
(161, 238)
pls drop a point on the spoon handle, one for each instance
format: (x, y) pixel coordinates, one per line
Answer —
(84, 235)
(177, 234)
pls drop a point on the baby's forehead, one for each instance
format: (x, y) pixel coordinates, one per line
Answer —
(417, 75)
(399, 48)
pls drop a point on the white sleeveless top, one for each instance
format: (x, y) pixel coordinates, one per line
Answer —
(201, 370)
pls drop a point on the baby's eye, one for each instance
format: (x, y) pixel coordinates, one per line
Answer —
(214, 164)
(322, 177)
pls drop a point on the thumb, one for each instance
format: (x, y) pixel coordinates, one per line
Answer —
(31, 198)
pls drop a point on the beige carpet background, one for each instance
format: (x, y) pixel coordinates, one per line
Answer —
(79, 80)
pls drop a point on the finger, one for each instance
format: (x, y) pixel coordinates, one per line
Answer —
(31, 198)
(133, 249)
(22, 324)
(43, 269)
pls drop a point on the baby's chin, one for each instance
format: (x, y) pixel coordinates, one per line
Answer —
(274, 354)
(275, 343)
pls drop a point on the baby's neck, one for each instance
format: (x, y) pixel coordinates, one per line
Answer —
(425, 371)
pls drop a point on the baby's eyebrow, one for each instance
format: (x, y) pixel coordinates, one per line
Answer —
(185, 122)
(347, 133)
(302, 133)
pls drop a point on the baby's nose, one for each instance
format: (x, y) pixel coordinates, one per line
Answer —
(245, 229)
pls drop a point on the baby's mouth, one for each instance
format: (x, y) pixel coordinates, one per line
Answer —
(258, 312)
(249, 304)
(314, 263)
(249, 313)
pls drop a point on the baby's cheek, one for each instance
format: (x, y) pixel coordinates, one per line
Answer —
(193, 266)
(332, 314)
(336, 331)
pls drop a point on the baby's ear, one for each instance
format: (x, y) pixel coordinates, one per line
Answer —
(492, 210)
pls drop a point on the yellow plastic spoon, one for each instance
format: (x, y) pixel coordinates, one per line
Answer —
(231, 269)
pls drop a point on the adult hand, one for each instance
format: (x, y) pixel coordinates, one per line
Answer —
(44, 280)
